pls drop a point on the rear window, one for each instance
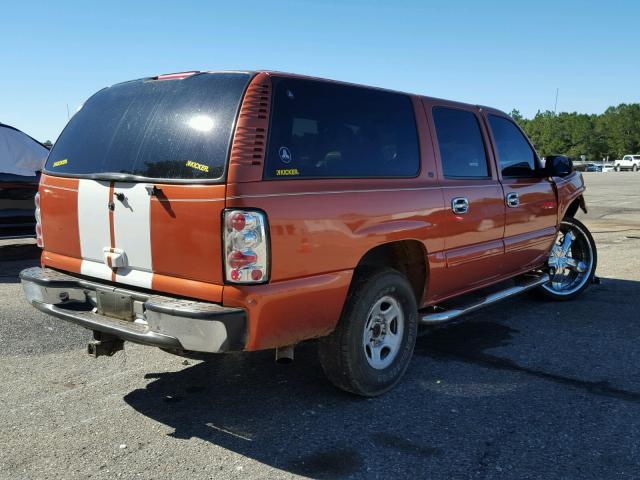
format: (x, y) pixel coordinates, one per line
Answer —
(321, 129)
(167, 129)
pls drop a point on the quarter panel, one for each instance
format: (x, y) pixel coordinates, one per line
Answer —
(317, 230)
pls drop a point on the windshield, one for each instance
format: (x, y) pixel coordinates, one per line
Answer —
(159, 129)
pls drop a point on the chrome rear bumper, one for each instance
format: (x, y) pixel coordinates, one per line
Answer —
(155, 320)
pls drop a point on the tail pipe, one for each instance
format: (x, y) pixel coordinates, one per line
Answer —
(284, 355)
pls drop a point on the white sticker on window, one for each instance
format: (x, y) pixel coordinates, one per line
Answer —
(285, 155)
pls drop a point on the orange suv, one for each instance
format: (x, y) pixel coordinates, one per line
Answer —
(221, 211)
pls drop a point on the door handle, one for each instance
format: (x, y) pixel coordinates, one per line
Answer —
(513, 200)
(460, 205)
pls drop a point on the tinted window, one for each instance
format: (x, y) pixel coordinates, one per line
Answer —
(321, 129)
(460, 142)
(517, 158)
(176, 129)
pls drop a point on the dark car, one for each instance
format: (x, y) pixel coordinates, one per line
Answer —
(21, 159)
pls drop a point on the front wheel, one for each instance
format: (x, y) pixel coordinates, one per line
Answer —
(572, 262)
(634, 168)
(372, 345)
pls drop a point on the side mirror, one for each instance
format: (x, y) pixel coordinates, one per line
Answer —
(557, 166)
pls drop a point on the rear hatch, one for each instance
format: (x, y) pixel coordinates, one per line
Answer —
(134, 188)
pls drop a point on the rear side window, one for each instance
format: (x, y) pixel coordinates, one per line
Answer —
(167, 129)
(321, 129)
(462, 151)
(517, 158)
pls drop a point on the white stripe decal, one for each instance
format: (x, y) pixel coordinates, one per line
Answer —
(137, 278)
(131, 231)
(132, 228)
(93, 221)
(95, 269)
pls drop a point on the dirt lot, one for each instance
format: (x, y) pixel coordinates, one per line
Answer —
(525, 389)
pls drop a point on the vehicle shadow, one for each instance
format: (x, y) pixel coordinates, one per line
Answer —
(288, 417)
(292, 419)
(14, 258)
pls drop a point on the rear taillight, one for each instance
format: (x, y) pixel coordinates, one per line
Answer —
(246, 248)
(39, 238)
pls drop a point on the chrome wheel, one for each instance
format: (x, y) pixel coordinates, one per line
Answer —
(571, 261)
(383, 330)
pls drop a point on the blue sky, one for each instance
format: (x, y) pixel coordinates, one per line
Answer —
(506, 54)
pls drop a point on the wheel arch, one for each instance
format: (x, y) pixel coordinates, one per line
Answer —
(409, 257)
(572, 209)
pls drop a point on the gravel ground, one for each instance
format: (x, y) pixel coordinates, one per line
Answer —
(524, 389)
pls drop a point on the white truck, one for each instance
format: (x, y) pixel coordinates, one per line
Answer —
(628, 162)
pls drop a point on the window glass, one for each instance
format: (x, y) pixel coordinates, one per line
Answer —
(460, 142)
(174, 129)
(517, 158)
(322, 129)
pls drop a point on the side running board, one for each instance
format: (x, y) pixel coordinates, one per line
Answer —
(446, 313)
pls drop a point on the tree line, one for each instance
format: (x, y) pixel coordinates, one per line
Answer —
(612, 134)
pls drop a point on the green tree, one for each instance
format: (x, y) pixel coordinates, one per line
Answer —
(612, 133)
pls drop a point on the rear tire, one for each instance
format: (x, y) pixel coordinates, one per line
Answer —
(372, 345)
(572, 262)
(634, 168)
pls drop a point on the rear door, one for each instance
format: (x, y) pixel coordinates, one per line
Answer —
(140, 170)
(474, 207)
(529, 196)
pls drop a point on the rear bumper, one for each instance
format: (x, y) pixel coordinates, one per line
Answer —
(157, 320)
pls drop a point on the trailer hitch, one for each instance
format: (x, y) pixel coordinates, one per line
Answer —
(104, 344)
